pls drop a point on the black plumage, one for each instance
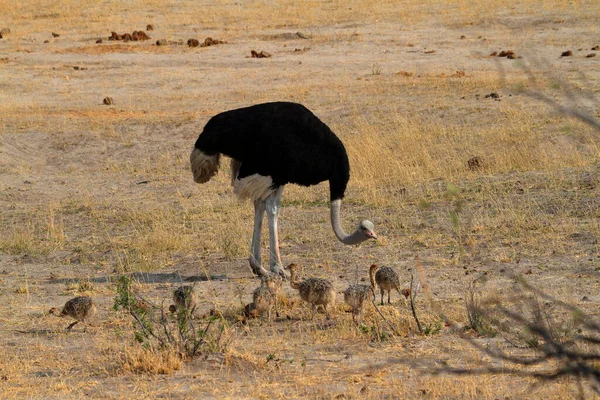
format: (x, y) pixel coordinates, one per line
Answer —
(283, 140)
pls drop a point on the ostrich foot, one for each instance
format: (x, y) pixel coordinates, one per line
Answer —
(257, 268)
(279, 270)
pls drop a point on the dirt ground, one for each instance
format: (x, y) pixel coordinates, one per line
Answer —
(90, 191)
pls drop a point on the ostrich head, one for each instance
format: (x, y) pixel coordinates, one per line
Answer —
(292, 267)
(367, 228)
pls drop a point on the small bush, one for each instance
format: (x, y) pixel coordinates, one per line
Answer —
(162, 335)
(479, 319)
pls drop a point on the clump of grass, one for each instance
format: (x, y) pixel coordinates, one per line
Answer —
(478, 318)
(232, 236)
(42, 233)
(375, 332)
(151, 361)
(433, 328)
(22, 289)
(136, 260)
(230, 245)
(85, 286)
(20, 240)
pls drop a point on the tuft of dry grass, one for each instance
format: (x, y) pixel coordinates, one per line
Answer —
(140, 360)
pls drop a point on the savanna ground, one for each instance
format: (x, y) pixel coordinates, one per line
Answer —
(89, 191)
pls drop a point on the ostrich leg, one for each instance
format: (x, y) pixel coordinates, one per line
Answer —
(273, 204)
(72, 325)
(255, 263)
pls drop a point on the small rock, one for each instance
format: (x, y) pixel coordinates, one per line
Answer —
(262, 54)
(493, 54)
(585, 298)
(99, 41)
(429, 51)
(193, 43)
(6, 31)
(54, 34)
(211, 42)
(507, 53)
(492, 95)
(593, 48)
(567, 53)
(463, 37)
(108, 101)
(149, 27)
(591, 55)
(139, 35)
(162, 42)
(46, 41)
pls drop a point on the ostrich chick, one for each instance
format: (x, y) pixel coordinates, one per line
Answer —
(185, 298)
(250, 311)
(387, 279)
(356, 295)
(79, 308)
(316, 291)
(265, 296)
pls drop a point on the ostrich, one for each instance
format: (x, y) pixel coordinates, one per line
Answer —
(316, 291)
(273, 144)
(387, 279)
(185, 298)
(356, 295)
(80, 308)
(265, 296)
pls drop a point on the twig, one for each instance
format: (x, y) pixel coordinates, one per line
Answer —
(141, 324)
(412, 302)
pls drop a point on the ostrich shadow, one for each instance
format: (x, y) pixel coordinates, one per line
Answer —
(147, 278)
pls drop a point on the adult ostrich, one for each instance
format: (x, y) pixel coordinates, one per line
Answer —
(273, 144)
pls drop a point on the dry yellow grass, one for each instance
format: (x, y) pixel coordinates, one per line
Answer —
(89, 191)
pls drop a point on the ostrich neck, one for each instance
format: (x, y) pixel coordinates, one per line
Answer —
(293, 283)
(354, 238)
(372, 278)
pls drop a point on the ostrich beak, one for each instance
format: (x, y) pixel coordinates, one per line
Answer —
(372, 235)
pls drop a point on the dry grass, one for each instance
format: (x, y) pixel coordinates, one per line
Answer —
(139, 360)
(89, 191)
